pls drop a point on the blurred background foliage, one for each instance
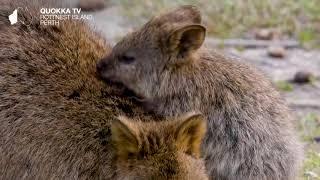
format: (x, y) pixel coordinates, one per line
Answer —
(299, 19)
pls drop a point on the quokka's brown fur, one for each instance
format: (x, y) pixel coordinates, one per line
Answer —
(57, 119)
(250, 134)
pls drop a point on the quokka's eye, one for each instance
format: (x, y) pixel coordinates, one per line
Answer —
(126, 59)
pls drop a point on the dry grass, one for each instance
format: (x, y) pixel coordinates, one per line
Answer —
(309, 128)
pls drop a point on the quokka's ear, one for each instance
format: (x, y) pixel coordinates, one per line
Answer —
(125, 137)
(190, 132)
(186, 14)
(186, 39)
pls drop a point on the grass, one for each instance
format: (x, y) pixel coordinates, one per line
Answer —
(312, 166)
(234, 18)
(284, 86)
(309, 128)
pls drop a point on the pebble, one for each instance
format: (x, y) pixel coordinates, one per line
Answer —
(311, 174)
(264, 34)
(303, 77)
(267, 34)
(277, 51)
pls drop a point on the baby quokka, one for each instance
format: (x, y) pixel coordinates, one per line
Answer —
(249, 135)
(160, 150)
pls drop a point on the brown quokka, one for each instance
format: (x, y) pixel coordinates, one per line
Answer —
(57, 120)
(249, 136)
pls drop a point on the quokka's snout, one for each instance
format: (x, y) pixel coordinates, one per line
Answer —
(103, 65)
(105, 69)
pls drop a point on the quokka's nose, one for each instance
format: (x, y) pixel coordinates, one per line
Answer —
(101, 66)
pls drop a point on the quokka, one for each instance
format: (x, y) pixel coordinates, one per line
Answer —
(250, 134)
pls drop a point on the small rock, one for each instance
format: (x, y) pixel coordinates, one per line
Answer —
(277, 51)
(311, 174)
(267, 34)
(264, 34)
(317, 139)
(92, 5)
(303, 77)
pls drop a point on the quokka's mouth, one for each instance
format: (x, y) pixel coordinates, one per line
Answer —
(111, 80)
(106, 78)
(125, 90)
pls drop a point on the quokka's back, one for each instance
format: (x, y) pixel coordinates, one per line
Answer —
(52, 107)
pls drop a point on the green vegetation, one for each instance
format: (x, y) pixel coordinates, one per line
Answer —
(309, 128)
(312, 165)
(284, 86)
(233, 18)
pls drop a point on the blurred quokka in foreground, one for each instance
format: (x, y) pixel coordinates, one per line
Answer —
(57, 120)
(249, 136)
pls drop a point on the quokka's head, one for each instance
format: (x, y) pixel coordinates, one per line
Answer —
(142, 59)
(159, 150)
